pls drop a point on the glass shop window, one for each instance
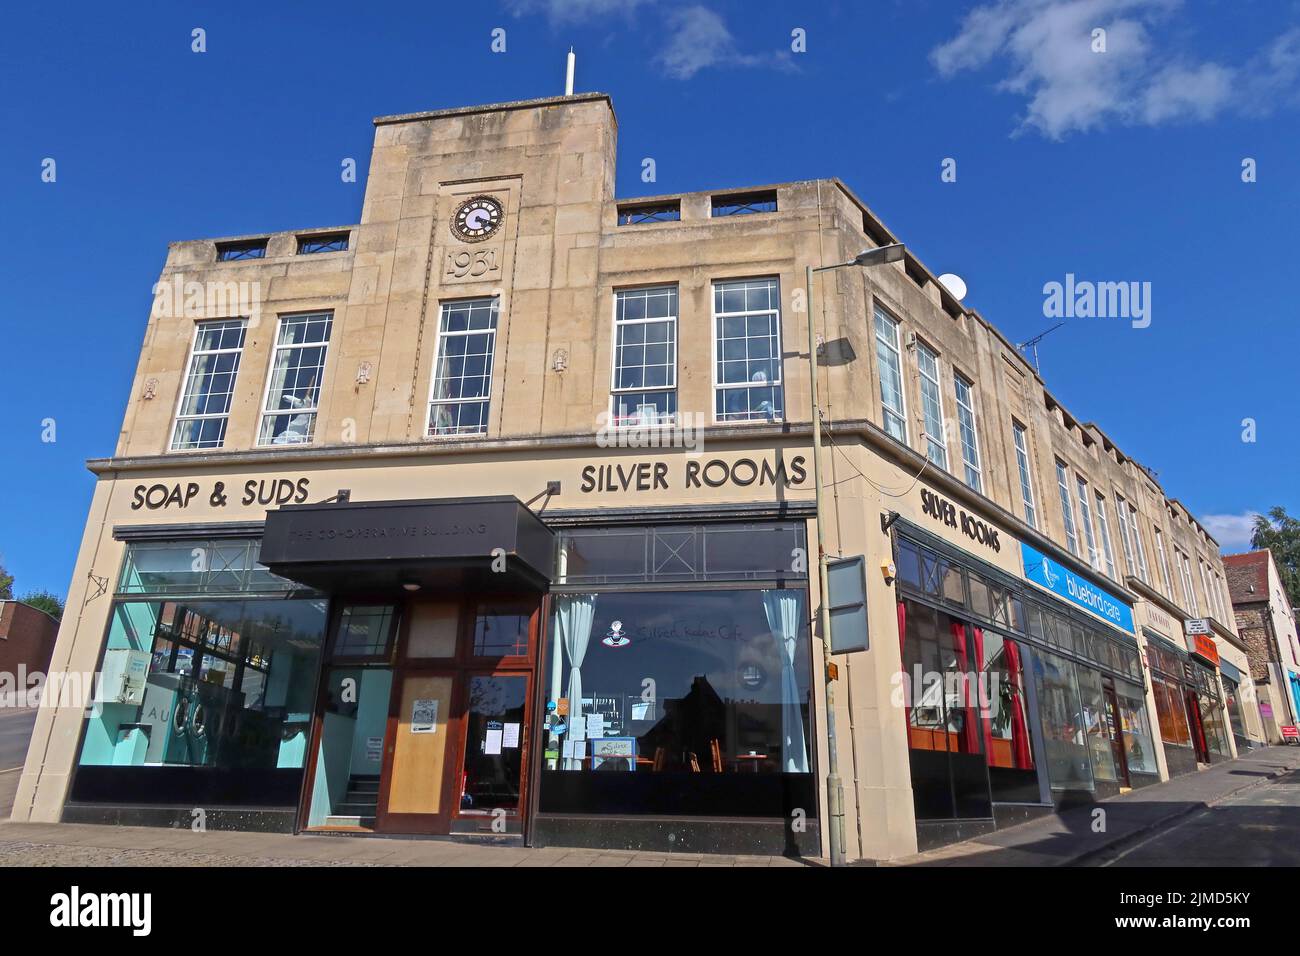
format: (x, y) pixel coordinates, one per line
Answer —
(1064, 722)
(222, 683)
(1171, 712)
(365, 631)
(1013, 776)
(1093, 717)
(1139, 746)
(946, 723)
(502, 629)
(678, 702)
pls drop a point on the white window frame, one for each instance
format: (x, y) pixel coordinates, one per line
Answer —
(276, 347)
(1185, 572)
(896, 416)
(1085, 518)
(1020, 438)
(778, 358)
(1138, 546)
(1125, 534)
(1067, 509)
(437, 361)
(1103, 523)
(967, 422)
(934, 444)
(1164, 562)
(177, 417)
(614, 390)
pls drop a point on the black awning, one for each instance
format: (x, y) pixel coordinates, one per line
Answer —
(435, 543)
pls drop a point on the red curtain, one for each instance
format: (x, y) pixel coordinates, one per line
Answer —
(986, 725)
(902, 625)
(902, 640)
(969, 733)
(1024, 760)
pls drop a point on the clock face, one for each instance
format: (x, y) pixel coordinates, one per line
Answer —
(477, 218)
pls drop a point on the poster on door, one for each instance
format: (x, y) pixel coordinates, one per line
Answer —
(424, 715)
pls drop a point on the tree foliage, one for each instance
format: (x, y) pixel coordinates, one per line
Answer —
(1280, 533)
(50, 603)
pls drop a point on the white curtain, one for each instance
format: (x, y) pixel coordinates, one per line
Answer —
(784, 611)
(573, 618)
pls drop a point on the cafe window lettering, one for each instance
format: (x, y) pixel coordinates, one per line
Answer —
(202, 678)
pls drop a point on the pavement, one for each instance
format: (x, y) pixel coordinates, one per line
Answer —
(1241, 812)
(15, 733)
(1193, 819)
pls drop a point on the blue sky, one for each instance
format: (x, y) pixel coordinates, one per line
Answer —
(1117, 166)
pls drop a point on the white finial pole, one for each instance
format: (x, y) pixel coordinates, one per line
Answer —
(568, 74)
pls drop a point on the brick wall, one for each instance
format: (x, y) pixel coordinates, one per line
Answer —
(26, 637)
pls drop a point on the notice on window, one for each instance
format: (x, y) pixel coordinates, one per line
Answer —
(492, 738)
(424, 715)
(595, 726)
(374, 748)
(510, 736)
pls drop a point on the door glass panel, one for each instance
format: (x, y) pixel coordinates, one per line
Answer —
(433, 629)
(346, 788)
(494, 739)
(501, 630)
(364, 631)
(420, 748)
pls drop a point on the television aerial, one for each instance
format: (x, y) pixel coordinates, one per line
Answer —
(1033, 344)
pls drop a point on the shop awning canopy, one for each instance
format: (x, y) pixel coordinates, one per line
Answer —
(489, 543)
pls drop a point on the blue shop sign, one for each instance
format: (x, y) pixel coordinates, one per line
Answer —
(1060, 580)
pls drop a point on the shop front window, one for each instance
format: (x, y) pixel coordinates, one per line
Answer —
(1139, 747)
(690, 702)
(1232, 693)
(1012, 774)
(1093, 718)
(948, 731)
(1171, 712)
(1064, 722)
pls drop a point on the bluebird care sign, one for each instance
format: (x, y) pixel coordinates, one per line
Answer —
(1046, 573)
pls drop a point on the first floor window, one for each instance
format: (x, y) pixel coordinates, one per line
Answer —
(1026, 482)
(293, 392)
(462, 379)
(1138, 548)
(747, 349)
(1104, 524)
(1125, 533)
(1164, 563)
(1085, 516)
(970, 445)
(209, 385)
(927, 361)
(891, 376)
(1067, 511)
(645, 356)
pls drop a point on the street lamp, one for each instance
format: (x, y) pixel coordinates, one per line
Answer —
(834, 786)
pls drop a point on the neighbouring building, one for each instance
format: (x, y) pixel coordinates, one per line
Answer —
(26, 643)
(1267, 625)
(492, 513)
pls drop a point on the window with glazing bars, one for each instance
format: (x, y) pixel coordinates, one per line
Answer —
(645, 356)
(1026, 482)
(1138, 549)
(927, 362)
(233, 251)
(1125, 533)
(204, 410)
(741, 205)
(747, 351)
(650, 212)
(1085, 516)
(889, 359)
(1104, 524)
(1067, 512)
(462, 381)
(334, 242)
(293, 388)
(1164, 563)
(970, 446)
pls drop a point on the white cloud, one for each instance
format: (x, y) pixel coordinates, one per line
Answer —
(1046, 50)
(574, 11)
(1233, 532)
(698, 38)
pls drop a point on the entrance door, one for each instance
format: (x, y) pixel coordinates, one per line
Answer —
(414, 793)
(1116, 735)
(1198, 729)
(492, 774)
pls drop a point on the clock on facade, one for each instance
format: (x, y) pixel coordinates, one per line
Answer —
(477, 218)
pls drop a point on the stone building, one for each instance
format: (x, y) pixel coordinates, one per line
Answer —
(492, 513)
(1266, 623)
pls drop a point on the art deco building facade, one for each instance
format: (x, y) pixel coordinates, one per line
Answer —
(491, 513)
